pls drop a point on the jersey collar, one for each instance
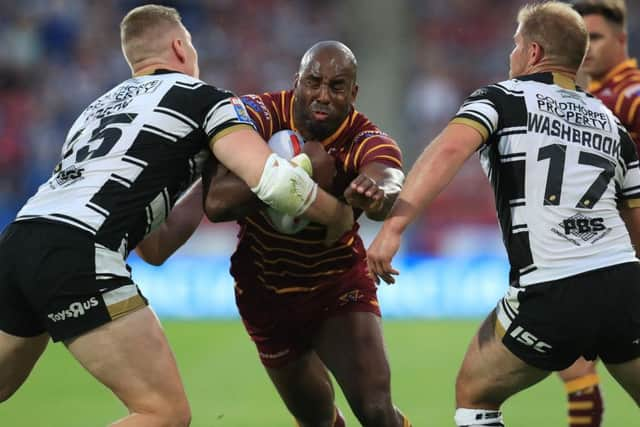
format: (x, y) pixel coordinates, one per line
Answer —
(559, 79)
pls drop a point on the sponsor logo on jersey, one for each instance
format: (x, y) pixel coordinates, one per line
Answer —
(69, 175)
(240, 109)
(580, 229)
(131, 90)
(572, 112)
(75, 310)
(255, 103)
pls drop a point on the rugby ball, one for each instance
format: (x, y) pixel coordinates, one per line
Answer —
(287, 144)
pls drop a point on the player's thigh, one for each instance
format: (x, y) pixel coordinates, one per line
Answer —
(305, 387)
(352, 346)
(628, 376)
(131, 356)
(490, 373)
(18, 355)
(579, 369)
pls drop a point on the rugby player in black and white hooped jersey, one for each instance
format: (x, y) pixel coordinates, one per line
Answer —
(124, 163)
(566, 178)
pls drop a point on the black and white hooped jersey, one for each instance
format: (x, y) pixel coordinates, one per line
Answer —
(561, 165)
(131, 153)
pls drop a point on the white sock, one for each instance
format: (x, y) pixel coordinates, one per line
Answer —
(478, 418)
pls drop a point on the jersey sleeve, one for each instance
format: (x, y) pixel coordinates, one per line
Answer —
(629, 190)
(225, 116)
(260, 114)
(480, 111)
(376, 146)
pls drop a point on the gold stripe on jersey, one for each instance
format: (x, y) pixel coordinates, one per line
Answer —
(299, 264)
(256, 238)
(360, 147)
(596, 85)
(280, 236)
(392, 159)
(304, 275)
(284, 110)
(625, 79)
(275, 110)
(633, 109)
(258, 116)
(564, 81)
(228, 131)
(377, 147)
(484, 132)
(341, 128)
(291, 289)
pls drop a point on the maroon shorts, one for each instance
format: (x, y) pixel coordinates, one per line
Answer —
(283, 325)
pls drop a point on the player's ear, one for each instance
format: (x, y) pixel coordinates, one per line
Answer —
(622, 38)
(177, 46)
(354, 92)
(536, 53)
(296, 80)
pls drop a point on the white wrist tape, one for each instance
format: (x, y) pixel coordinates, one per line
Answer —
(285, 187)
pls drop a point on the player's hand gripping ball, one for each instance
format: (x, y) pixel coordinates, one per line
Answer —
(287, 144)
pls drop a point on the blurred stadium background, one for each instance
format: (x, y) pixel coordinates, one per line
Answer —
(417, 61)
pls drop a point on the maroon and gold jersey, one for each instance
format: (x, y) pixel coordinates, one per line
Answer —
(620, 91)
(301, 262)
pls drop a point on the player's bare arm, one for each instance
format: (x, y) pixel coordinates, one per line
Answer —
(182, 221)
(242, 149)
(434, 169)
(375, 190)
(229, 198)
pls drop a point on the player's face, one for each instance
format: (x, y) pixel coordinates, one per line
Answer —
(518, 60)
(324, 92)
(606, 46)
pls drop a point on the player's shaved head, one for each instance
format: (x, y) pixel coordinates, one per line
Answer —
(145, 32)
(558, 29)
(333, 51)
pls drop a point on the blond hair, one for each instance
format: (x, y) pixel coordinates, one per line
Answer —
(558, 29)
(614, 11)
(143, 31)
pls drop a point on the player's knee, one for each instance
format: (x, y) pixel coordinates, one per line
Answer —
(179, 415)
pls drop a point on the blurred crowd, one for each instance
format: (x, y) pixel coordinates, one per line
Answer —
(59, 55)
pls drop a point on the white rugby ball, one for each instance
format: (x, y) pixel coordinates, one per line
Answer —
(287, 144)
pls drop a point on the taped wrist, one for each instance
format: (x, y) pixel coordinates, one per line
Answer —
(286, 188)
(304, 162)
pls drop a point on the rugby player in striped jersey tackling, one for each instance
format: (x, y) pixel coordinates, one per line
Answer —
(310, 308)
(129, 154)
(566, 179)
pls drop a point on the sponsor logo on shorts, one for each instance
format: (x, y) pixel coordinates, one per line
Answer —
(580, 229)
(75, 310)
(351, 296)
(529, 339)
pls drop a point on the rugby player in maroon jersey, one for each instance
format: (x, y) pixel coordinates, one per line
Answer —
(310, 308)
